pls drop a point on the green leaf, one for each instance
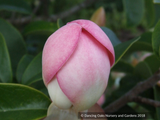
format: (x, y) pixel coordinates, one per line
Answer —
(157, 98)
(156, 38)
(123, 66)
(60, 23)
(150, 12)
(143, 44)
(156, 1)
(35, 43)
(33, 72)
(146, 38)
(154, 66)
(113, 38)
(14, 41)
(143, 70)
(24, 62)
(134, 11)
(122, 48)
(17, 6)
(157, 13)
(40, 27)
(20, 102)
(39, 85)
(128, 82)
(5, 69)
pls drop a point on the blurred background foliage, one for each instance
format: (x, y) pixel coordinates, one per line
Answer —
(125, 26)
(25, 25)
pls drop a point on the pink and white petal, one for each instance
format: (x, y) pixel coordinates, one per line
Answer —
(58, 98)
(84, 77)
(98, 33)
(58, 48)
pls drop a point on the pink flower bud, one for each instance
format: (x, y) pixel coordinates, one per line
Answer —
(76, 64)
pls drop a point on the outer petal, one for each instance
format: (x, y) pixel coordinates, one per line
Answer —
(99, 35)
(83, 78)
(58, 98)
(58, 48)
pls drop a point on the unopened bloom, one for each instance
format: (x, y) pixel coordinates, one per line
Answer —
(76, 64)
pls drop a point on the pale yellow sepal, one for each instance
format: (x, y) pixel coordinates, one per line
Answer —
(54, 113)
(99, 17)
(158, 83)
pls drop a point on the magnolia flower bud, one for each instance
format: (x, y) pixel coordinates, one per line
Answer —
(76, 64)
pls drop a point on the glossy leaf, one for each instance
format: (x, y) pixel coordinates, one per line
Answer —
(5, 69)
(17, 6)
(150, 12)
(143, 70)
(123, 66)
(19, 102)
(39, 85)
(143, 44)
(156, 39)
(14, 41)
(150, 95)
(35, 43)
(153, 63)
(22, 65)
(156, 1)
(134, 11)
(40, 27)
(157, 98)
(113, 38)
(122, 48)
(157, 13)
(33, 72)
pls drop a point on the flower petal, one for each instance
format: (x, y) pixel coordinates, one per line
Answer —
(98, 34)
(58, 97)
(84, 77)
(58, 48)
